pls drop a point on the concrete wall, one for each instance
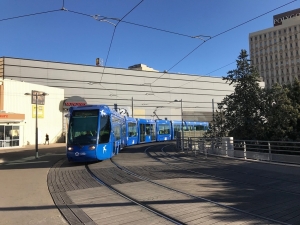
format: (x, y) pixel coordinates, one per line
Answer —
(15, 101)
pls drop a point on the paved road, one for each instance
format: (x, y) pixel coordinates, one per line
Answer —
(25, 183)
(24, 195)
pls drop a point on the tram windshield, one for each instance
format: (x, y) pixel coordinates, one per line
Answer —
(83, 127)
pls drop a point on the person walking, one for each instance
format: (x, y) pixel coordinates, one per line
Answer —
(47, 139)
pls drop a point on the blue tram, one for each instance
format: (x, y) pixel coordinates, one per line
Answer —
(97, 132)
(94, 133)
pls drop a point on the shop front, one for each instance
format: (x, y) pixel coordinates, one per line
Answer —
(11, 129)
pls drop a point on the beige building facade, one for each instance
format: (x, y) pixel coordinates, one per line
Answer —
(275, 51)
(139, 93)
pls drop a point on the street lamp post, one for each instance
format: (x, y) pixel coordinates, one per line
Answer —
(36, 121)
(182, 143)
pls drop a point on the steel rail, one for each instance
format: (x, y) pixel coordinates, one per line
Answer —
(156, 212)
(190, 195)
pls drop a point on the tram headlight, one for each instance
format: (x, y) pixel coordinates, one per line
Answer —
(70, 148)
(92, 147)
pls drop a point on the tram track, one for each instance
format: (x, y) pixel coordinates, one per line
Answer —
(197, 163)
(199, 198)
(147, 182)
(131, 199)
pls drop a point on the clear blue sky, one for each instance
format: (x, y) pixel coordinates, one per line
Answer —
(68, 37)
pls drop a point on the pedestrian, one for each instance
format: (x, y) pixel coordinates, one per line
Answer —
(47, 139)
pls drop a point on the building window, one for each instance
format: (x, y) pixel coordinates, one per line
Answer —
(291, 37)
(295, 28)
(274, 32)
(295, 36)
(251, 39)
(279, 32)
(290, 29)
(255, 38)
(291, 45)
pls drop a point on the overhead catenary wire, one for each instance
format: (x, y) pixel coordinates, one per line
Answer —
(32, 14)
(114, 31)
(201, 43)
(221, 33)
(59, 81)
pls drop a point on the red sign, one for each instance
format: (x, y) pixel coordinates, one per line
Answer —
(75, 103)
(3, 116)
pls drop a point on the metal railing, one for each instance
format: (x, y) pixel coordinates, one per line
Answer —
(273, 151)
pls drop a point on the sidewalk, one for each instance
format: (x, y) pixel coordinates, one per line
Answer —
(24, 195)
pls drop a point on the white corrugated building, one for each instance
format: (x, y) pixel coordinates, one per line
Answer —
(17, 113)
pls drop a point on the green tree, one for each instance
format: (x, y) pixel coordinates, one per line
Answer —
(243, 110)
(281, 114)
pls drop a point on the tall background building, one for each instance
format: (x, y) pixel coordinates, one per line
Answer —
(275, 51)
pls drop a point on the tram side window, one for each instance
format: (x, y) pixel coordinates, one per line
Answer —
(164, 129)
(123, 130)
(148, 129)
(117, 131)
(132, 129)
(153, 132)
(104, 129)
(199, 127)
